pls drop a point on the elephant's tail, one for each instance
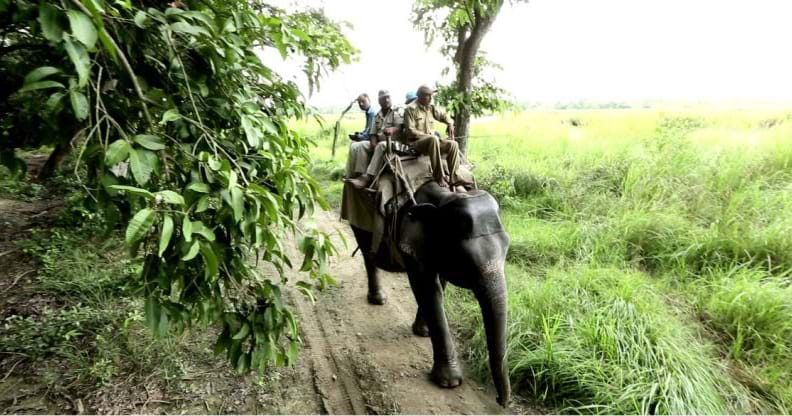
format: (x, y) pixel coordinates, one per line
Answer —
(493, 301)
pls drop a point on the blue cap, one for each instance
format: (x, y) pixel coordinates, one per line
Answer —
(410, 97)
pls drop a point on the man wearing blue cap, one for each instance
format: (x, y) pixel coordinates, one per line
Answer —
(410, 97)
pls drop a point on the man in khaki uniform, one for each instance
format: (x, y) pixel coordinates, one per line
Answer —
(419, 118)
(388, 122)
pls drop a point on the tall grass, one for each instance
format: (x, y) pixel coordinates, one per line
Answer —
(651, 255)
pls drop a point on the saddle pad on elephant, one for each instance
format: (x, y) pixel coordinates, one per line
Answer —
(367, 210)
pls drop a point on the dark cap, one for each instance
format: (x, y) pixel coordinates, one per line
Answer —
(383, 93)
(424, 90)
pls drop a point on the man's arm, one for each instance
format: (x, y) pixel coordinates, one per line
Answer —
(443, 117)
(411, 131)
(369, 130)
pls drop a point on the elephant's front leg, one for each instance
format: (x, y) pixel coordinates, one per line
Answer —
(375, 295)
(428, 290)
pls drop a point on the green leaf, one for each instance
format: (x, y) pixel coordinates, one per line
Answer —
(167, 232)
(291, 355)
(170, 197)
(192, 252)
(198, 227)
(82, 27)
(243, 332)
(139, 226)
(40, 73)
(141, 166)
(203, 204)
(199, 187)
(237, 203)
(48, 19)
(250, 132)
(54, 101)
(80, 59)
(269, 125)
(170, 115)
(153, 311)
(108, 44)
(95, 6)
(79, 104)
(117, 152)
(211, 268)
(149, 141)
(184, 27)
(243, 363)
(132, 190)
(41, 85)
(187, 229)
(141, 19)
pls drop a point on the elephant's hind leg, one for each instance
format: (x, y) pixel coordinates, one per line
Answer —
(446, 371)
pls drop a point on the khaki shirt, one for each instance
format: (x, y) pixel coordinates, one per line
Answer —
(419, 121)
(393, 118)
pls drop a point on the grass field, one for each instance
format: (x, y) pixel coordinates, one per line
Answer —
(650, 265)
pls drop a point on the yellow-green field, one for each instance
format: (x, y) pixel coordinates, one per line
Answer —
(650, 265)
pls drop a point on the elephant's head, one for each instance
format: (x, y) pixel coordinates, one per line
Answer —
(462, 238)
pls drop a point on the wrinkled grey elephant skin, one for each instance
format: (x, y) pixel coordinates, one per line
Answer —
(457, 238)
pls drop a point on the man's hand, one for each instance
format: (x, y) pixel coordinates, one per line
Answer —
(451, 133)
(372, 141)
(390, 131)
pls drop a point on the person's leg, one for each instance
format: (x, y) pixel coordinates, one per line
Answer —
(377, 159)
(430, 146)
(373, 169)
(358, 159)
(451, 148)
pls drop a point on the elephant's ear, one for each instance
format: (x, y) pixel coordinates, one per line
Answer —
(416, 234)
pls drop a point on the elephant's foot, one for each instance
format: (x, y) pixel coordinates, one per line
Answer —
(377, 297)
(420, 328)
(447, 374)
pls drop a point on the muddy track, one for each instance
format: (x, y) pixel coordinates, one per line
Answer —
(357, 358)
(364, 358)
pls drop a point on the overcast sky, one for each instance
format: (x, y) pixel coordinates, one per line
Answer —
(567, 50)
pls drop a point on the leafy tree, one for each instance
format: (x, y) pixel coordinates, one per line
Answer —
(461, 26)
(182, 133)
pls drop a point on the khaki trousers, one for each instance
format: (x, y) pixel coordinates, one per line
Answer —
(434, 147)
(358, 158)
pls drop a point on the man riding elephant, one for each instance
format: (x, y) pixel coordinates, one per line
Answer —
(419, 118)
(360, 149)
(388, 123)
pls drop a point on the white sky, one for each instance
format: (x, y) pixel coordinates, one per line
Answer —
(567, 50)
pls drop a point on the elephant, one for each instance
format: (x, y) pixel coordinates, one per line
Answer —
(448, 237)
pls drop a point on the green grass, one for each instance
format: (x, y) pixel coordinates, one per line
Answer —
(651, 256)
(77, 323)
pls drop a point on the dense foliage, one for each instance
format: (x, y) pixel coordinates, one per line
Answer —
(182, 135)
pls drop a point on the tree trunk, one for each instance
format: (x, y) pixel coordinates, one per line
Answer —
(56, 157)
(465, 57)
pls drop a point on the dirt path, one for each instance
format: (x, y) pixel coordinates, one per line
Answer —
(357, 358)
(365, 358)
